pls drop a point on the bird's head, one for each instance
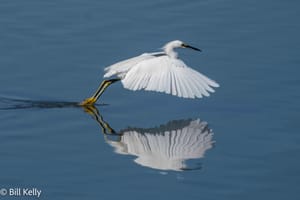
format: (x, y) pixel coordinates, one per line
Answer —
(170, 46)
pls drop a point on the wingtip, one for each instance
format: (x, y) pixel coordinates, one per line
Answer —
(215, 84)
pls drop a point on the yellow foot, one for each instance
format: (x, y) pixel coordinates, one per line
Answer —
(88, 101)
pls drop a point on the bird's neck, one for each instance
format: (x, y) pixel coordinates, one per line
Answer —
(170, 52)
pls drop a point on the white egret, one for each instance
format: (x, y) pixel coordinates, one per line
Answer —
(160, 72)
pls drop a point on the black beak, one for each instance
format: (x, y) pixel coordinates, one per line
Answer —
(188, 46)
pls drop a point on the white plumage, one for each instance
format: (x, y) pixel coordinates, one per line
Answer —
(162, 72)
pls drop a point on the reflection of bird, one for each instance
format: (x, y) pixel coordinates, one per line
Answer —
(166, 147)
(160, 72)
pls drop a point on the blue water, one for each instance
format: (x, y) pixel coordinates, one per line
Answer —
(52, 55)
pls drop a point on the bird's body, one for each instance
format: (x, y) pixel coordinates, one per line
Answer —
(159, 71)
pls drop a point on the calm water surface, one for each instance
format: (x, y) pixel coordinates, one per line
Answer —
(240, 143)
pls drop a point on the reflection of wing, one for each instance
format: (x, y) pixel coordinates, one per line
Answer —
(166, 148)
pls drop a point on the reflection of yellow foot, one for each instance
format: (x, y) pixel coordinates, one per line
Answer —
(88, 101)
(90, 109)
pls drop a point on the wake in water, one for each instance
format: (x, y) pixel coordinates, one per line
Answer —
(7, 103)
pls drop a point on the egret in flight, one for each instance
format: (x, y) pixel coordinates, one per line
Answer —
(160, 72)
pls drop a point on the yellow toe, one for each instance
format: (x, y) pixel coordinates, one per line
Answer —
(88, 101)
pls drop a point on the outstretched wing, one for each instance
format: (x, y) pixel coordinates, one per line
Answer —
(169, 75)
(121, 68)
